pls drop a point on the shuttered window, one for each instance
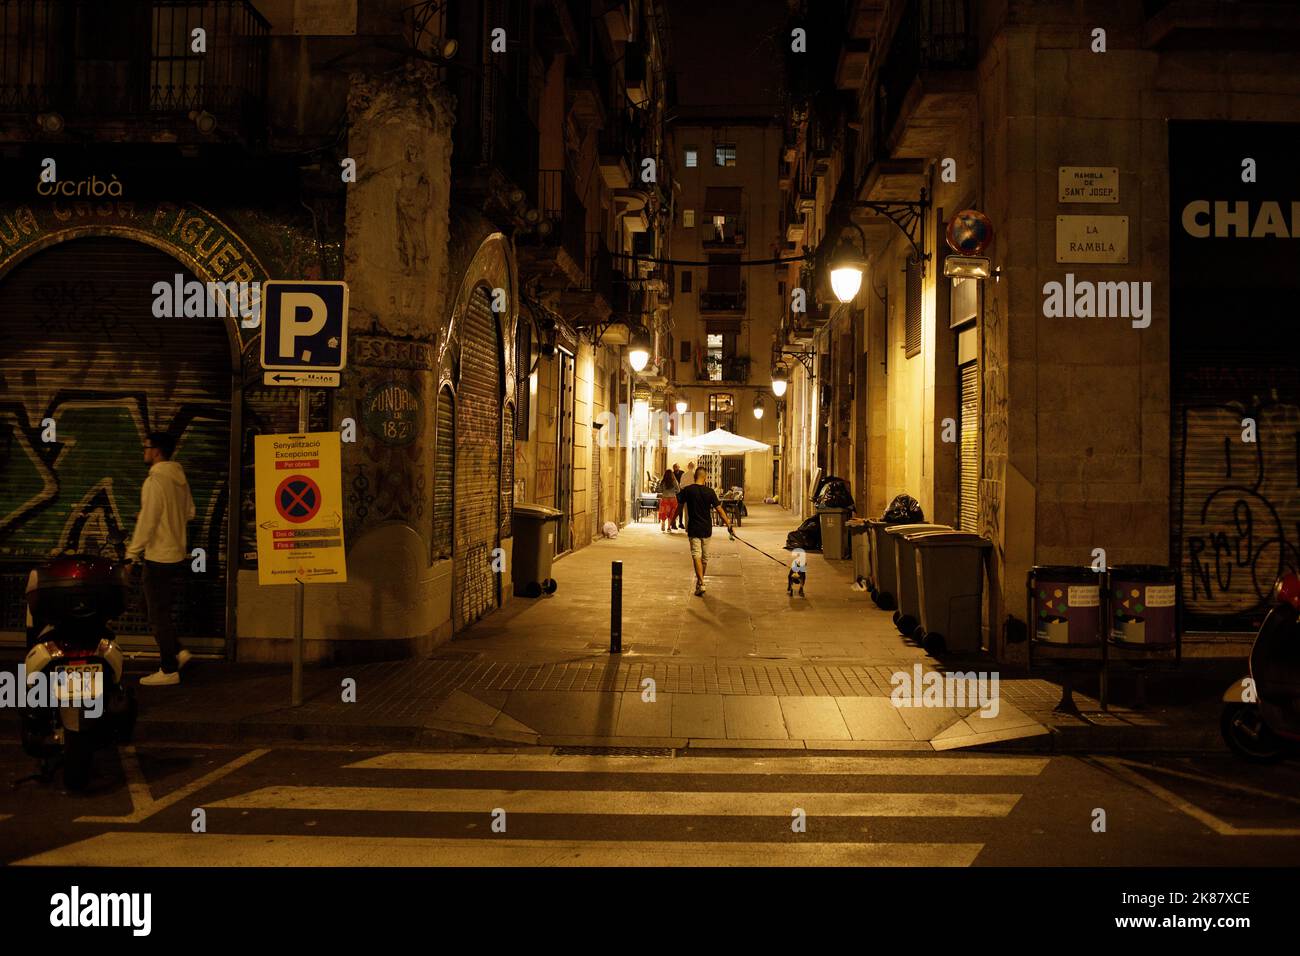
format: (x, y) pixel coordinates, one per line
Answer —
(969, 434)
(912, 326)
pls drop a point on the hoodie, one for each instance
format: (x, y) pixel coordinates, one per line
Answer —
(165, 507)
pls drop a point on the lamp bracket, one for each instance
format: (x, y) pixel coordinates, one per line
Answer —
(909, 217)
(805, 359)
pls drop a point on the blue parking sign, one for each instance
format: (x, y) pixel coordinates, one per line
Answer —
(304, 325)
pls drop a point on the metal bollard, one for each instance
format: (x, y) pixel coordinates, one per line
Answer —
(616, 607)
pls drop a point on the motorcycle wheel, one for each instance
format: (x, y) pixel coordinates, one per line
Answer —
(77, 755)
(1247, 736)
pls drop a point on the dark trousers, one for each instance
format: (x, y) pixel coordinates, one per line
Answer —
(161, 582)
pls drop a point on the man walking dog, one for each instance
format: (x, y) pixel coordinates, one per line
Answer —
(699, 502)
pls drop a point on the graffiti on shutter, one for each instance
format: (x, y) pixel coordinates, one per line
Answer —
(478, 453)
(969, 436)
(1236, 507)
(81, 346)
(507, 468)
(444, 472)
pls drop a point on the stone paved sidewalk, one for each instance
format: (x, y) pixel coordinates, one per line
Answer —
(743, 666)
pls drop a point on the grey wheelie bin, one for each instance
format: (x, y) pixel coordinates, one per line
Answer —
(835, 538)
(882, 559)
(534, 548)
(950, 586)
(908, 614)
(860, 545)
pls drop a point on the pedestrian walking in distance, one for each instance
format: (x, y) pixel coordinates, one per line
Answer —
(700, 502)
(683, 479)
(668, 489)
(159, 544)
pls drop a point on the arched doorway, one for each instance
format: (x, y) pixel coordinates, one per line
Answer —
(81, 347)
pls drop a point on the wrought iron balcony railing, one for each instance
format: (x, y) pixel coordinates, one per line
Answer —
(90, 60)
(565, 213)
(494, 130)
(715, 300)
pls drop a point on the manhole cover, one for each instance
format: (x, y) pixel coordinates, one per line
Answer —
(613, 751)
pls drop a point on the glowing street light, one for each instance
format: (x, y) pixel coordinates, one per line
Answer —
(638, 349)
(780, 381)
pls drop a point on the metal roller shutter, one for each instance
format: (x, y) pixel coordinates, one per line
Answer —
(478, 453)
(969, 464)
(507, 469)
(444, 475)
(81, 345)
(1235, 503)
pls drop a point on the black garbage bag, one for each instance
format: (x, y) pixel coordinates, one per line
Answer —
(904, 509)
(833, 492)
(807, 536)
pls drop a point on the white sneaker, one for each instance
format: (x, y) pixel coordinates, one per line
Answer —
(182, 658)
(160, 678)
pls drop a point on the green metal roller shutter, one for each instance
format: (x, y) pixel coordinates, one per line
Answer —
(81, 345)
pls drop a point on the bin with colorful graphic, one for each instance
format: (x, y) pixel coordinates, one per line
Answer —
(1065, 606)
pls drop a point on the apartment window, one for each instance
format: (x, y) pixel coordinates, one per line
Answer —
(687, 281)
(912, 316)
(720, 352)
(722, 411)
(686, 351)
(692, 158)
(724, 154)
(688, 218)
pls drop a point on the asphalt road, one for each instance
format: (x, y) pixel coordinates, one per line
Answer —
(335, 806)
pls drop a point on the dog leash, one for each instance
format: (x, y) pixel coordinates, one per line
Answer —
(759, 550)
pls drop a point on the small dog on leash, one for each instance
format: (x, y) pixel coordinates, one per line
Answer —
(792, 578)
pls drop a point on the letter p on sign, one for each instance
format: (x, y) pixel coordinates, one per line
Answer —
(304, 326)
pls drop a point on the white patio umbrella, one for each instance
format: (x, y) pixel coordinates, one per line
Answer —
(717, 442)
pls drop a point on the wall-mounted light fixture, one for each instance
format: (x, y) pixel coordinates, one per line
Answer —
(638, 348)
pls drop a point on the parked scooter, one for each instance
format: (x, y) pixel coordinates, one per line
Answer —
(76, 701)
(1261, 713)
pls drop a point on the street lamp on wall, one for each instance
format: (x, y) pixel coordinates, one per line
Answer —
(780, 380)
(847, 265)
(681, 406)
(638, 348)
(759, 409)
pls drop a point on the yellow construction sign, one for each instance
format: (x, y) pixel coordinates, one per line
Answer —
(299, 508)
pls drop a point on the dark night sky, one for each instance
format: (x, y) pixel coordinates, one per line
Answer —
(727, 54)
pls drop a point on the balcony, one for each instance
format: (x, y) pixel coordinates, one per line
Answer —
(927, 82)
(130, 65)
(1213, 25)
(722, 232)
(558, 247)
(731, 370)
(620, 150)
(719, 300)
(591, 301)
(494, 135)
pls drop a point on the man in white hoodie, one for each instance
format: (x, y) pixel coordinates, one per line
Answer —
(159, 541)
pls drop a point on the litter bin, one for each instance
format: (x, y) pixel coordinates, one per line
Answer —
(882, 559)
(860, 544)
(908, 614)
(534, 547)
(1143, 606)
(835, 539)
(1065, 606)
(950, 589)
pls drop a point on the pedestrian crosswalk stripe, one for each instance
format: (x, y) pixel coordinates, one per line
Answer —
(133, 848)
(846, 766)
(624, 802)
